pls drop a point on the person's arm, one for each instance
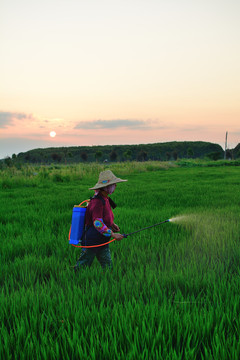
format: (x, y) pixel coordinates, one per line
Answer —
(101, 227)
(104, 230)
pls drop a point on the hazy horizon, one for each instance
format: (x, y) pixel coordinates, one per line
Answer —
(118, 72)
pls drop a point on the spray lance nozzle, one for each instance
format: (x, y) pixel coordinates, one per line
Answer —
(148, 227)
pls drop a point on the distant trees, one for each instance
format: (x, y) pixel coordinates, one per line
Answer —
(65, 154)
(215, 156)
(127, 154)
(113, 155)
(229, 154)
(142, 156)
(190, 153)
(175, 155)
(84, 156)
(8, 161)
(168, 156)
(27, 157)
(142, 152)
(56, 157)
(98, 155)
(236, 152)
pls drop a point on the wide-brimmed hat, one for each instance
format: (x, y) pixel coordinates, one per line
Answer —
(106, 178)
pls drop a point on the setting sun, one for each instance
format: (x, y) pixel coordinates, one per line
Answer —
(52, 134)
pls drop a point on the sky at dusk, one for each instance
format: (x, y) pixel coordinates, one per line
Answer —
(118, 72)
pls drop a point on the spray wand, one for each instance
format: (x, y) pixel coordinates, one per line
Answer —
(148, 227)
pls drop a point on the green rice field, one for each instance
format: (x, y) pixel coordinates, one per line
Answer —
(174, 289)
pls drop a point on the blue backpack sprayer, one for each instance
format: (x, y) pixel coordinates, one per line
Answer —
(77, 227)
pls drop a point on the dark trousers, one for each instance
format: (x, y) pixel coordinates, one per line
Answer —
(87, 256)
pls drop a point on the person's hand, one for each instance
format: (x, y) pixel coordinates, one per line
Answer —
(115, 227)
(117, 236)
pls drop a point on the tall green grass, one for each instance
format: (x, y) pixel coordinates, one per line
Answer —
(173, 292)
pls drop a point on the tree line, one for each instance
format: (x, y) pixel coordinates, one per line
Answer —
(110, 153)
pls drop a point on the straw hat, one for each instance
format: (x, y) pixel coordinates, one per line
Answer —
(106, 178)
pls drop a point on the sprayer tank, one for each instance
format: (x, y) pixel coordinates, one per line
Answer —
(78, 217)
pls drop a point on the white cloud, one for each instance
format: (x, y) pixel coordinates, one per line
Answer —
(7, 117)
(113, 124)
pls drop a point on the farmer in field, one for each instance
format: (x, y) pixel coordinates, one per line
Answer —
(99, 223)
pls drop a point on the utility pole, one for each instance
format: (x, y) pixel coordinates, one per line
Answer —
(225, 146)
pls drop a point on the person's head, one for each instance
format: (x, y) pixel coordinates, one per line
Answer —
(107, 181)
(110, 188)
